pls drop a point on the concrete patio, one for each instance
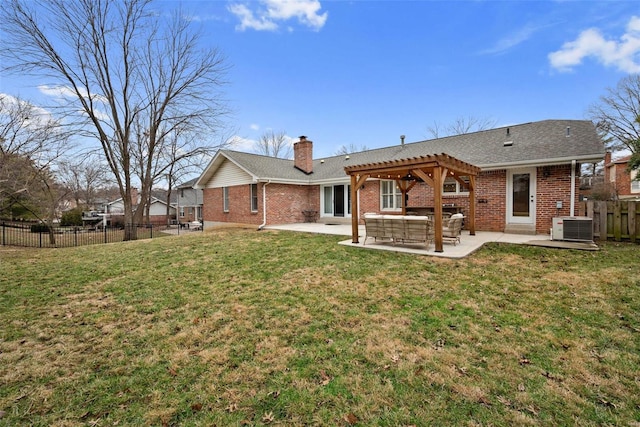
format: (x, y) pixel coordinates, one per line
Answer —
(468, 244)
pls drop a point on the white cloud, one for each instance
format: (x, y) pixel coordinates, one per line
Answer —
(248, 20)
(266, 14)
(254, 126)
(202, 18)
(239, 143)
(56, 91)
(623, 54)
(513, 39)
(60, 93)
(38, 116)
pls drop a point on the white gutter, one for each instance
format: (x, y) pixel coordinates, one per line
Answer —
(548, 162)
(264, 205)
(573, 188)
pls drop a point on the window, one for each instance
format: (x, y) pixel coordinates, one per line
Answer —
(391, 196)
(635, 182)
(225, 199)
(328, 199)
(181, 211)
(451, 186)
(254, 197)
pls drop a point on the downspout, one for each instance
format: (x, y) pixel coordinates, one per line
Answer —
(573, 188)
(264, 205)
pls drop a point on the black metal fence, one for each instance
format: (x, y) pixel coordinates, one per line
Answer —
(41, 236)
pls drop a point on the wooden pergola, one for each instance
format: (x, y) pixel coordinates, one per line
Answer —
(407, 173)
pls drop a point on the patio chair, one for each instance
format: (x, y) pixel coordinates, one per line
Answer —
(453, 228)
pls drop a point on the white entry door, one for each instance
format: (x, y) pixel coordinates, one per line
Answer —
(521, 196)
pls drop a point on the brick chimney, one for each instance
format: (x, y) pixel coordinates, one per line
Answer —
(607, 157)
(303, 155)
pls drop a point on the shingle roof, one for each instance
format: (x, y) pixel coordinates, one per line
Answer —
(537, 143)
(188, 184)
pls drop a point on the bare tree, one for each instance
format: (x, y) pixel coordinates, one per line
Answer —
(274, 144)
(460, 126)
(617, 115)
(83, 177)
(28, 130)
(352, 148)
(31, 141)
(132, 77)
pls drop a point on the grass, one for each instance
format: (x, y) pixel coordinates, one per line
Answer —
(238, 327)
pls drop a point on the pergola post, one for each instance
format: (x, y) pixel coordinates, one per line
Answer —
(437, 207)
(355, 209)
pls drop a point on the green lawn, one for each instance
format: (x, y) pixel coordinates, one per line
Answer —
(239, 327)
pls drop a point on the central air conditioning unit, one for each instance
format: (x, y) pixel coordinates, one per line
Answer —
(574, 228)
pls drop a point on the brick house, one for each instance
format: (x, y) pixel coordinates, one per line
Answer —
(626, 185)
(529, 174)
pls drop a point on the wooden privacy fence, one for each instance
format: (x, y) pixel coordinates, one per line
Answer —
(613, 220)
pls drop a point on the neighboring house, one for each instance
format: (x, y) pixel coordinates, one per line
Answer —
(189, 202)
(626, 185)
(529, 174)
(157, 208)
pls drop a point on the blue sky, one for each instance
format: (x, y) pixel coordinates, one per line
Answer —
(365, 72)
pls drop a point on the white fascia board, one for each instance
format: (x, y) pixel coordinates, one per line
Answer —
(283, 181)
(346, 180)
(213, 165)
(540, 162)
(207, 172)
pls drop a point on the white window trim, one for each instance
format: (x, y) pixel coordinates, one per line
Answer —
(324, 206)
(225, 199)
(181, 211)
(253, 191)
(395, 193)
(635, 184)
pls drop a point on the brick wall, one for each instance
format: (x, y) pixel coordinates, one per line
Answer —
(285, 204)
(623, 180)
(491, 200)
(369, 198)
(553, 185)
(159, 219)
(239, 205)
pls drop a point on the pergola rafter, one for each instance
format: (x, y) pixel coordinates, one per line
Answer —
(432, 169)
